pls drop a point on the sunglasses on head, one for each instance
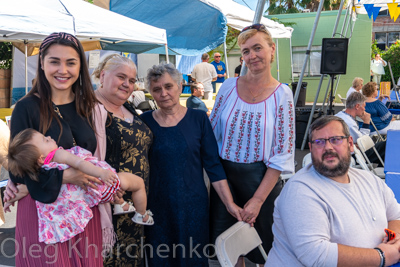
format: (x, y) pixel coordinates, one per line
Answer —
(258, 27)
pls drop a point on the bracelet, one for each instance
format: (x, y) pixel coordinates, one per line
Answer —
(382, 255)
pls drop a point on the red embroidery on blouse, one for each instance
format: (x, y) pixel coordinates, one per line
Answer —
(249, 124)
(291, 127)
(257, 136)
(231, 131)
(242, 127)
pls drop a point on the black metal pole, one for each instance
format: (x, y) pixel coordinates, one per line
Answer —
(331, 112)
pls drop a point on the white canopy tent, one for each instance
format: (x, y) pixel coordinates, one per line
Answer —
(239, 16)
(30, 21)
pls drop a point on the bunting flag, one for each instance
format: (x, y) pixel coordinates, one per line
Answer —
(372, 10)
(375, 11)
(394, 11)
(368, 8)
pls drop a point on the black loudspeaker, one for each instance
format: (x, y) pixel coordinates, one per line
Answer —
(334, 55)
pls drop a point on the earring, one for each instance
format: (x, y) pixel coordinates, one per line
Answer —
(80, 80)
(101, 85)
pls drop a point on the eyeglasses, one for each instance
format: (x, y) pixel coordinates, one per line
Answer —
(217, 56)
(334, 140)
(258, 27)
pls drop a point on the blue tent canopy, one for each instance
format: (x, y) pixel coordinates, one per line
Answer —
(193, 14)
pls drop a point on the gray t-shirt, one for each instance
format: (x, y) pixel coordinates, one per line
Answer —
(314, 213)
(204, 73)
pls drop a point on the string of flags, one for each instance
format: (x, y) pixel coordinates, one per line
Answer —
(373, 11)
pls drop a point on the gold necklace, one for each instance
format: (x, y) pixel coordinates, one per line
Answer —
(254, 97)
(120, 107)
(123, 116)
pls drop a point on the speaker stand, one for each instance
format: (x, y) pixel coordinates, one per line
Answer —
(331, 98)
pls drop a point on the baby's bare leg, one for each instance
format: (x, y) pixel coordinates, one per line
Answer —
(134, 184)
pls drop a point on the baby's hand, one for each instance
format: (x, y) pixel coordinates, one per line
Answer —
(7, 206)
(108, 177)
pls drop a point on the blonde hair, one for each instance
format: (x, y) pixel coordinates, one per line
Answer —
(357, 81)
(111, 62)
(247, 34)
(23, 156)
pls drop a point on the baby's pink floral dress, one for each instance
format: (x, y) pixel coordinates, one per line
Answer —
(70, 213)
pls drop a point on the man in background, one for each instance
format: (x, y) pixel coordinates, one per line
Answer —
(238, 69)
(221, 71)
(205, 73)
(355, 107)
(194, 100)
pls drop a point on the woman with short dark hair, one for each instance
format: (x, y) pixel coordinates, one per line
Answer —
(183, 145)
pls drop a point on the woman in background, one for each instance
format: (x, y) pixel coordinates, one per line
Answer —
(380, 114)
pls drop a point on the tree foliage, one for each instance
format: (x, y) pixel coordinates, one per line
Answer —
(391, 55)
(231, 41)
(296, 6)
(5, 55)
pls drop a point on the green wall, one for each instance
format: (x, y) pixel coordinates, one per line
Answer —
(358, 61)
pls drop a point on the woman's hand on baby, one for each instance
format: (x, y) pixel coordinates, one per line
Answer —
(118, 196)
(11, 190)
(108, 177)
(74, 176)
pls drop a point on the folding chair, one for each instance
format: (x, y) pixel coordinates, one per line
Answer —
(306, 160)
(342, 99)
(365, 143)
(237, 241)
(379, 137)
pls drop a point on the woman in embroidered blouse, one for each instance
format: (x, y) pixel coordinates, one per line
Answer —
(123, 141)
(253, 121)
(59, 105)
(380, 114)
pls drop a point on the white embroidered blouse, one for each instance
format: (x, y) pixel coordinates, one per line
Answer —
(263, 131)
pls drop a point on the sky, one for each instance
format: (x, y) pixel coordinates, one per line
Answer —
(250, 3)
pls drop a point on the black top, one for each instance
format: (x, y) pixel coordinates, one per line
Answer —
(238, 69)
(26, 114)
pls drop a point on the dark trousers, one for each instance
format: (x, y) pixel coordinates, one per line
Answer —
(243, 180)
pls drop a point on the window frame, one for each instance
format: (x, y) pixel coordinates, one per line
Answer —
(301, 50)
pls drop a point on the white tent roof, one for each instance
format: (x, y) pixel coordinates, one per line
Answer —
(33, 20)
(239, 16)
